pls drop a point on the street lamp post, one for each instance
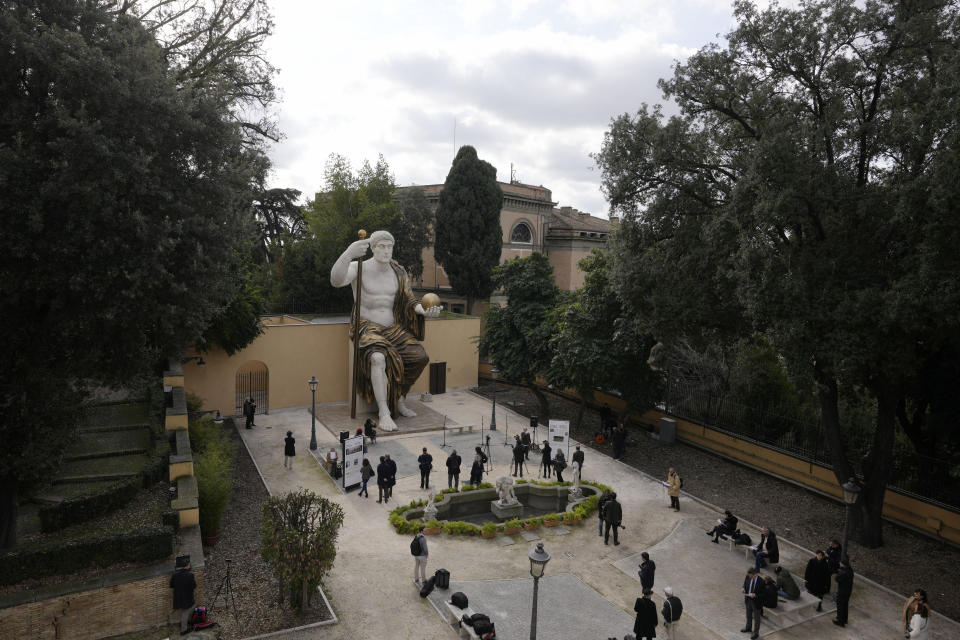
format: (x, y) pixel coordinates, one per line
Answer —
(493, 417)
(313, 412)
(850, 492)
(538, 564)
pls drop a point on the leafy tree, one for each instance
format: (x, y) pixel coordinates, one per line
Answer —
(411, 229)
(279, 219)
(595, 347)
(517, 336)
(127, 190)
(299, 541)
(468, 239)
(802, 191)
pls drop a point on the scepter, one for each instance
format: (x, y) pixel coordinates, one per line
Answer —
(356, 330)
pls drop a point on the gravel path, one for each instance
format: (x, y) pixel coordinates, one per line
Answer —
(907, 561)
(255, 588)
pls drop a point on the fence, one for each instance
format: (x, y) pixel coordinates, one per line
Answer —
(923, 477)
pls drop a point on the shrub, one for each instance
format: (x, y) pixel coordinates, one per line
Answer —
(299, 541)
(214, 472)
(513, 523)
(83, 508)
(489, 527)
(58, 558)
(433, 524)
(206, 433)
(552, 517)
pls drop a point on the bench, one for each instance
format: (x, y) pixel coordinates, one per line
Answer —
(456, 615)
(459, 427)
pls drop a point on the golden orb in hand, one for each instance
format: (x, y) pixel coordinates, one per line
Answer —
(430, 300)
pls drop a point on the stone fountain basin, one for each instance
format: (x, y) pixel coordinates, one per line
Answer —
(474, 506)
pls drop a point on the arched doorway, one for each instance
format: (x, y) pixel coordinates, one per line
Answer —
(253, 380)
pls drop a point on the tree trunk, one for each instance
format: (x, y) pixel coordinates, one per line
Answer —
(8, 512)
(304, 597)
(544, 416)
(868, 524)
(828, 396)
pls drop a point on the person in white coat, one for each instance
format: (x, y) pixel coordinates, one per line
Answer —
(920, 623)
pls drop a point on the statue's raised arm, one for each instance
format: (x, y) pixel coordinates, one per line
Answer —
(391, 324)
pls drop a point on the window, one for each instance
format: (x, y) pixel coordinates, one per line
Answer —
(522, 233)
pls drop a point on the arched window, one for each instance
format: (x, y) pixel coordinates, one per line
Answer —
(522, 234)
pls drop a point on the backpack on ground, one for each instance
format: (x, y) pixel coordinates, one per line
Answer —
(198, 619)
(443, 579)
(415, 547)
(483, 626)
(459, 600)
(428, 586)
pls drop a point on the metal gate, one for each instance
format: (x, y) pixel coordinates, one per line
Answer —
(253, 380)
(438, 378)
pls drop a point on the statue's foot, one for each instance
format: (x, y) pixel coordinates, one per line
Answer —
(404, 410)
(386, 423)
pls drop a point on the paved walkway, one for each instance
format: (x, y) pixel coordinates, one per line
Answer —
(371, 588)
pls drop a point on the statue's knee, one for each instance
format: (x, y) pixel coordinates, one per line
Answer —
(377, 361)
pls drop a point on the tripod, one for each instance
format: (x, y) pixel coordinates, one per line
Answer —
(227, 596)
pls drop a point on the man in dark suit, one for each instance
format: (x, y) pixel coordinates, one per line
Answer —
(518, 456)
(645, 625)
(391, 475)
(817, 577)
(183, 584)
(545, 460)
(751, 601)
(767, 549)
(612, 516)
(578, 457)
(844, 588)
(426, 464)
(647, 571)
(453, 470)
(383, 480)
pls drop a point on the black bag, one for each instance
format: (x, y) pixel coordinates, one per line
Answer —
(742, 538)
(482, 626)
(428, 586)
(415, 547)
(681, 481)
(443, 579)
(459, 600)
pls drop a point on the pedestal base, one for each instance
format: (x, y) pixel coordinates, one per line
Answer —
(506, 511)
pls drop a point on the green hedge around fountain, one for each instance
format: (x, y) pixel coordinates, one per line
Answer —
(402, 521)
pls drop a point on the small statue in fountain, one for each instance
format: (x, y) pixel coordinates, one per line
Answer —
(575, 489)
(505, 491)
(430, 511)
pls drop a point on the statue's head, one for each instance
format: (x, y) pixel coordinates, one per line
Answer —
(381, 243)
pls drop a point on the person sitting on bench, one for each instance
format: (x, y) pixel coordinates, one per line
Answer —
(724, 528)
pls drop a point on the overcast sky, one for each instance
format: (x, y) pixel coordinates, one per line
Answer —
(529, 83)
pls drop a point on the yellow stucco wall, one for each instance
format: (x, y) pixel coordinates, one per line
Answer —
(293, 352)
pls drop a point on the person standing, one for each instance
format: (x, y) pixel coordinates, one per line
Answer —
(578, 457)
(370, 430)
(527, 441)
(648, 569)
(766, 549)
(426, 464)
(919, 626)
(383, 474)
(619, 441)
(601, 503)
(545, 459)
(844, 589)
(289, 450)
(183, 584)
(817, 577)
(391, 476)
(673, 488)
(453, 470)
(612, 516)
(517, 457)
(249, 410)
(366, 472)
(420, 558)
(911, 606)
(672, 608)
(476, 470)
(559, 464)
(834, 554)
(645, 625)
(751, 602)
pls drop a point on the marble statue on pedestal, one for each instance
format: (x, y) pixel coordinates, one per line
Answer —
(505, 491)
(575, 488)
(390, 328)
(430, 511)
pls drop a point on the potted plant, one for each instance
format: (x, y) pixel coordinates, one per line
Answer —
(488, 530)
(551, 520)
(570, 517)
(511, 526)
(532, 523)
(433, 527)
